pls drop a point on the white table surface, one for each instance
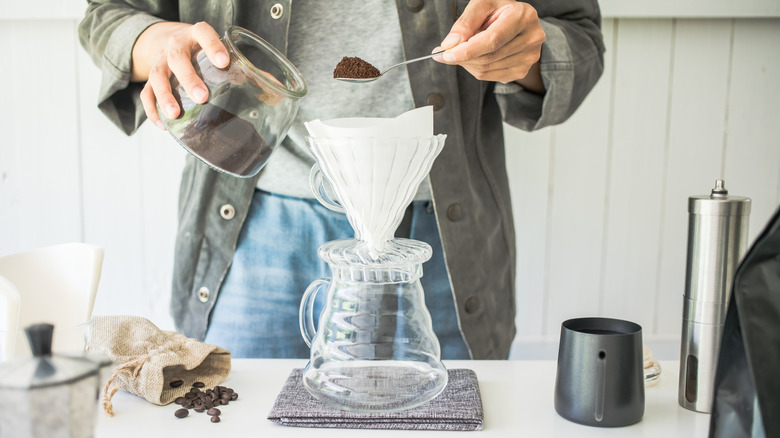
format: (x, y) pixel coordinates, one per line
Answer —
(517, 397)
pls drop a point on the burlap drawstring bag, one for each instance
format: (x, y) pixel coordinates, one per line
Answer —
(149, 359)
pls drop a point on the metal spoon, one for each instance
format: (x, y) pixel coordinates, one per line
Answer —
(363, 80)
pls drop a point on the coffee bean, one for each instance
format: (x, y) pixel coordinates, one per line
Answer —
(205, 400)
(176, 383)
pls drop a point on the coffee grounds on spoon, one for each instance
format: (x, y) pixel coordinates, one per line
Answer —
(355, 68)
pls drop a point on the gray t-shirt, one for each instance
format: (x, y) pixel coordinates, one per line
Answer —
(319, 38)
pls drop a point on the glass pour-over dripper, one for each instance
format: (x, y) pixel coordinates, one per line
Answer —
(374, 180)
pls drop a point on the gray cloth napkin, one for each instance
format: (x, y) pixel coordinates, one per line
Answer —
(458, 407)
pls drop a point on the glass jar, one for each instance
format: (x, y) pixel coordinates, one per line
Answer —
(251, 105)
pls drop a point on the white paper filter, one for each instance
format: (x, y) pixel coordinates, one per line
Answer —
(375, 166)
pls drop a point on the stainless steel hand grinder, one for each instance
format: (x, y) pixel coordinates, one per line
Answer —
(717, 240)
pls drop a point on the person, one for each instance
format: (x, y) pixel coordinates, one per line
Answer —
(246, 248)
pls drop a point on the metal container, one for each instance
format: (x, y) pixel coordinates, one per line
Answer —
(717, 240)
(600, 381)
(48, 396)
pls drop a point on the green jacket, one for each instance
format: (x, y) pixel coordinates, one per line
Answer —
(469, 179)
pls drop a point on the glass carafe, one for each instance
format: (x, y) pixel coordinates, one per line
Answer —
(374, 349)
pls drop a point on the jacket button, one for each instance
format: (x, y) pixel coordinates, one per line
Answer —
(454, 213)
(227, 212)
(204, 294)
(436, 100)
(277, 10)
(471, 305)
(414, 5)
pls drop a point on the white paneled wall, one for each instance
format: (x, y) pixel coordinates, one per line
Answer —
(600, 201)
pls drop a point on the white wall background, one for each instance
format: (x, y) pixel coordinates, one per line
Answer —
(690, 93)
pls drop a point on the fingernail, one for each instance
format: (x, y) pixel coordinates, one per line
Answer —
(199, 93)
(451, 41)
(171, 109)
(159, 124)
(437, 57)
(222, 59)
(447, 56)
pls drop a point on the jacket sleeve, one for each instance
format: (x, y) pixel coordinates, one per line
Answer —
(572, 61)
(108, 32)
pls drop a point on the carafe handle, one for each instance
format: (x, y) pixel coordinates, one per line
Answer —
(316, 181)
(306, 312)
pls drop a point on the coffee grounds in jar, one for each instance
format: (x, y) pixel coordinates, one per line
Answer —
(226, 141)
(355, 68)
